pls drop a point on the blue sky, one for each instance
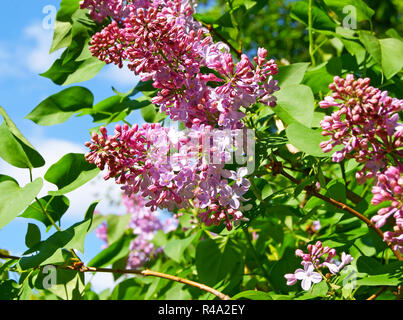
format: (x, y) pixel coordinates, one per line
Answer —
(24, 46)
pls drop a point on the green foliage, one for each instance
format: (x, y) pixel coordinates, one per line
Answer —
(248, 262)
(61, 106)
(55, 206)
(14, 199)
(14, 148)
(70, 173)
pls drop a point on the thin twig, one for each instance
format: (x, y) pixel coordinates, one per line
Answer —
(376, 294)
(279, 170)
(223, 39)
(146, 273)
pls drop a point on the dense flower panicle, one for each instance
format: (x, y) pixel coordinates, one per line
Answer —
(116, 9)
(318, 257)
(365, 124)
(389, 188)
(173, 169)
(144, 223)
(163, 43)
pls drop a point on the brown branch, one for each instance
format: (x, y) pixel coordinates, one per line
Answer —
(146, 273)
(278, 169)
(376, 294)
(212, 30)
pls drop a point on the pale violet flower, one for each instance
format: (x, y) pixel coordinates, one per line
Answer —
(308, 276)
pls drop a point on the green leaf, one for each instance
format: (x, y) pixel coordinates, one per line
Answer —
(320, 19)
(114, 106)
(149, 113)
(50, 250)
(291, 74)
(253, 295)
(318, 290)
(174, 249)
(55, 206)
(62, 36)
(392, 61)
(295, 103)
(363, 12)
(8, 290)
(70, 172)
(15, 148)
(380, 280)
(117, 226)
(65, 73)
(14, 199)
(372, 44)
(218, 260)
(33, 235)
(114, 252)
(306, 139)
(69, 283)
(61, 106)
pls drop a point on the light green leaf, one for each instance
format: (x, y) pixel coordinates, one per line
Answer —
(175, 248)
(306, 139)
(295, 103)
(15, 148)
(70, 172)
(61, 106)
(291, 74)
(253, 295)
(14, 199)
(392, 62)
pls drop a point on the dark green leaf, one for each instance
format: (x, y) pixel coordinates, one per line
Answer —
(55, 206)
(33, 235)
(114, 252)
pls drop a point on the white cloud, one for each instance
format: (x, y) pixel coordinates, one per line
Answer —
(100, 281)
(38, 58)
(119, 76)
(28, 54)
(52, 150)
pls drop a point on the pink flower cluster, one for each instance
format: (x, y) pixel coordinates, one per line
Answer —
(365, 124)
(172, 169)
(163, 43)
(144, 223)
(317, 258)
(389, 188)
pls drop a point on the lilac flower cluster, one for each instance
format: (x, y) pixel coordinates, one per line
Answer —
(312, 261)
(163, 43)
(365, 123)
(144, 223)
(389, 188)
(172, 169)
